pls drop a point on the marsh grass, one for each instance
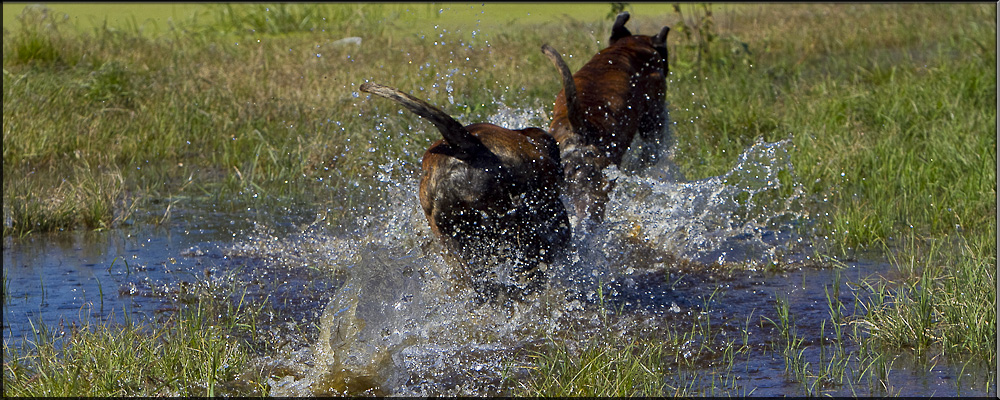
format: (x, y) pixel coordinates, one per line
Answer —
(96, 201)
(695, 359)
(256, 117)
(890, 108)
(193, 353)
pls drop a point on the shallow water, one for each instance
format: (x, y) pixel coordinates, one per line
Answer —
(370, 307)
(61, 279)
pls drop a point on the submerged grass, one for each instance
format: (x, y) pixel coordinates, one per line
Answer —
(891, 110)
(697, 358)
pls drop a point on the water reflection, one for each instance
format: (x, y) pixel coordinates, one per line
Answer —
(77, 277)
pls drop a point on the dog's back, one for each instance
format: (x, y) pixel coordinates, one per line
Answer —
(619, 93)
(509, 191)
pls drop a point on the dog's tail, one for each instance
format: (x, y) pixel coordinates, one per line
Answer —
(618, 30)
(454, 133)
(573, 107)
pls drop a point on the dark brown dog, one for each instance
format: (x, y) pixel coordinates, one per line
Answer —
(492, 197)
(619, 93)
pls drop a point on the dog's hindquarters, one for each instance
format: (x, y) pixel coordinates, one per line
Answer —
(491, 196)
(500, 228)
(582, 161)
(618, 94)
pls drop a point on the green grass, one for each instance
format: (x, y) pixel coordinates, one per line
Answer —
(890, 108)
(689, 360)
(95, 198)
(194, 353)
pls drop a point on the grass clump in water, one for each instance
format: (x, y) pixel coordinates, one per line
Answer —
(697, 361)
(95, 201)
(598, 371)
(930, 305)
(193, 353)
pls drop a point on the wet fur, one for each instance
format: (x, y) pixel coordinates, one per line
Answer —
(618, 94)
(491, 195)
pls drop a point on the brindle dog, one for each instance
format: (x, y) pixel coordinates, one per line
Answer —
(491, 195)
(619, 93)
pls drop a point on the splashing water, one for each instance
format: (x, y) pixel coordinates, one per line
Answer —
(398, 324)
(745, 215)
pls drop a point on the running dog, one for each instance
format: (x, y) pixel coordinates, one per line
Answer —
(491, 195)
(619, 93)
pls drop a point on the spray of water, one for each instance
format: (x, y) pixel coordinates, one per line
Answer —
(397, 323)
(747, 215)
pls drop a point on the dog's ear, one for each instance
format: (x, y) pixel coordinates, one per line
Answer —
(660, 40)
(660, 44)
(619, 30)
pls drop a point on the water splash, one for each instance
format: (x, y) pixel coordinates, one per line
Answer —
(747, 215)
(398, 323)
(519, 118)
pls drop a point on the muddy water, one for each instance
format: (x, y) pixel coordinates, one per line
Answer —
(370, 307)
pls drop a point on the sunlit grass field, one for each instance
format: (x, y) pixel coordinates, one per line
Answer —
(891, 110)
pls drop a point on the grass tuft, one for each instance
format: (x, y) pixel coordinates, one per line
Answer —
(191, 354)
(94, 201)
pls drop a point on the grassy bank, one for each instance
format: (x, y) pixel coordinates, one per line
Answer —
(891, 110)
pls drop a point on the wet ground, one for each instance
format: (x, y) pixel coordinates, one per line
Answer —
(370, 307)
